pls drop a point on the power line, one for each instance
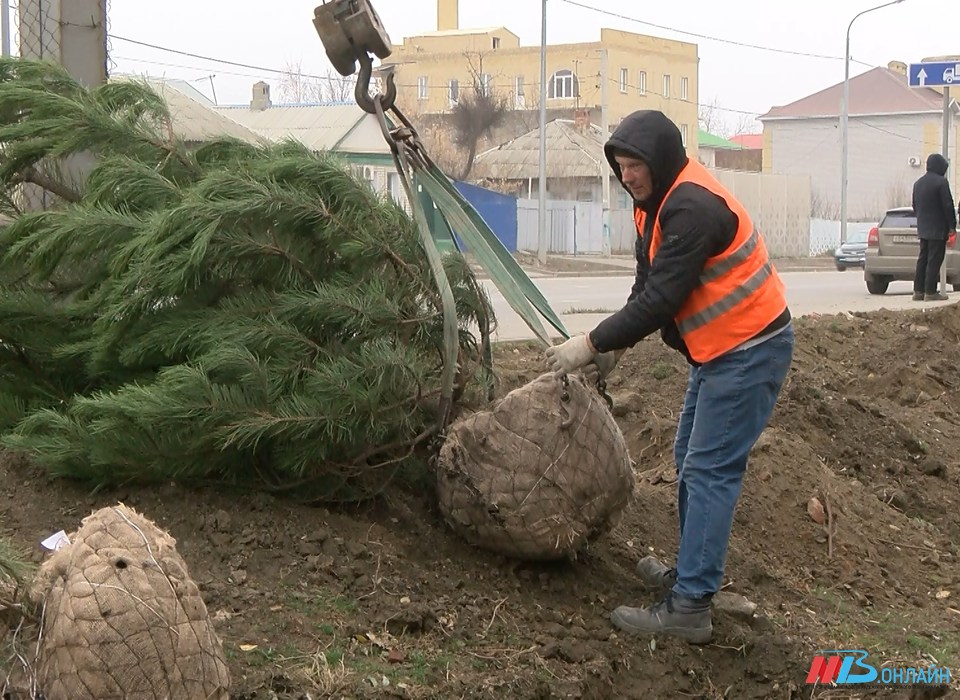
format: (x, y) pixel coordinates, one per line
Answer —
(616, 81)
(262, 69)
(708, 37)
(178, 65)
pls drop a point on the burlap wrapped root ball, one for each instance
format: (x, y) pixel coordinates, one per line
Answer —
(535, 477)
(122, 618)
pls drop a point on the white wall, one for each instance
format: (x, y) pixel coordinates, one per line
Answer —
(880, 147)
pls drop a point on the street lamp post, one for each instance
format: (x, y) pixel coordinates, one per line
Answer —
(542, 171)
(845, 118)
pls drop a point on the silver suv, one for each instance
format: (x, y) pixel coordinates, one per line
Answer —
(892, 250)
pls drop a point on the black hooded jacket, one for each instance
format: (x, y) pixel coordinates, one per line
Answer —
(695, 223)
(932, 201)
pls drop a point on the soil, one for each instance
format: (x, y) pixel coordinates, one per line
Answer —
(384, 601)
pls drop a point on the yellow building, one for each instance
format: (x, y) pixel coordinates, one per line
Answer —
(434, 70)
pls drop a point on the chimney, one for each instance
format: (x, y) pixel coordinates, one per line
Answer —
(448, 15)
(581, 120)
(898, 67)
(261, 97)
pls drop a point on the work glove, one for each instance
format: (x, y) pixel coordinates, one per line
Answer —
(569, 356)
(600, 367)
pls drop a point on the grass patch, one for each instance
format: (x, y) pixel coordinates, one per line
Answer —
(319, 604)
(661, 370)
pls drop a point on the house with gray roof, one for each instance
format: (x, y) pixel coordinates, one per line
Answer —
(892, 128)
(575, 162)
(339, 127)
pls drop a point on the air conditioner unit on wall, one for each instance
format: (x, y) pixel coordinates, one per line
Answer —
(915, 161)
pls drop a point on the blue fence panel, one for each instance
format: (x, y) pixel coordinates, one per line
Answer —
(498, 210)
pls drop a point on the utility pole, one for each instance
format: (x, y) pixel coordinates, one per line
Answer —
(5, 26)
(542, 178)
(605, 128)
(946, 154)
(845, 121)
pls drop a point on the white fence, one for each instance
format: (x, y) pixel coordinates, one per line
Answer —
(779, 206)
(572, 227)
(575, 228)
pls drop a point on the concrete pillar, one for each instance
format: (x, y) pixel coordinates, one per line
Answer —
(71, 32)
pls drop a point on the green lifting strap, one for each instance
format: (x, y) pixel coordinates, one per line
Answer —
(517, 288)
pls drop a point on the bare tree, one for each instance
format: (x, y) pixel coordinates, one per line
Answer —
(333, 87)
(710, 118)
(822, 207)
(477, 113)
(293, 85)
(745, 124)
(299, 88)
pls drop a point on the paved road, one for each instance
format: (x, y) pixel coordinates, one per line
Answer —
(591, 299)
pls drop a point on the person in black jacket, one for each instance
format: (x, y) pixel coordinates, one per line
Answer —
(704, 280)
(936, 220)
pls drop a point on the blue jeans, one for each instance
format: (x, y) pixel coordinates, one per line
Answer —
(727, 405)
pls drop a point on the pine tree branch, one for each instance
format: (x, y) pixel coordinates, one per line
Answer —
(248, 314)
(33, 176)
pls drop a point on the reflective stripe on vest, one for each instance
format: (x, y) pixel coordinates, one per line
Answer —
(720, 307)
(739, 293)
(721, 267)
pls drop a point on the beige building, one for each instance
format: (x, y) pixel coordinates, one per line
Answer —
(434, 70)
(892, 130)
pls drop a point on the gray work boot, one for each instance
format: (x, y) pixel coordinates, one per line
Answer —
(656, 575)
(935, 297)
(684, 618)
(918, 296)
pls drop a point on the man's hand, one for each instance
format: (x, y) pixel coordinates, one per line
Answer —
(570, 356)
(600, 367)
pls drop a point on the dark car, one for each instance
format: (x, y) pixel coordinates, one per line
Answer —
(853, 253)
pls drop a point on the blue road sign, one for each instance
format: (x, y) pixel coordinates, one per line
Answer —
(934, 74)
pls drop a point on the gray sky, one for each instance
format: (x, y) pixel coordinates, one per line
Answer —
(278, 33)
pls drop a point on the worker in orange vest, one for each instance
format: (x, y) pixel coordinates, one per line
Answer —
(705, 281)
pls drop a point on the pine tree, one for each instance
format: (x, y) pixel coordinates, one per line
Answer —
(248, 314)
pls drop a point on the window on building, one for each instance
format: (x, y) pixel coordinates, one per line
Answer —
(422, 87)
(642, 82)
(496, 42)
(624, 78)
(453, 91)
(394, 187)
(519, 93)
(563, 85)
(683, 134)
(666, 86)
(684, 89)
(486, 84)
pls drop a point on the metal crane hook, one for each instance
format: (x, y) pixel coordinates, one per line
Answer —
(362, 90)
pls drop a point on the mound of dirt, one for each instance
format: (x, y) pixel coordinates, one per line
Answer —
(846, 537)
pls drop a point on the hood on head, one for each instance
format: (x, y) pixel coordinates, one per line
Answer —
(650, 136)
(936, 163)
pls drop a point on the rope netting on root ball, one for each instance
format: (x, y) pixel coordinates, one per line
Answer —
(537, 475)
(118, 618)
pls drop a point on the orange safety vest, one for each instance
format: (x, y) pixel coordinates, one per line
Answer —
(739, 293)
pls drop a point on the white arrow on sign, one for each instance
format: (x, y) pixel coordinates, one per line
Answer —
(923, 77)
